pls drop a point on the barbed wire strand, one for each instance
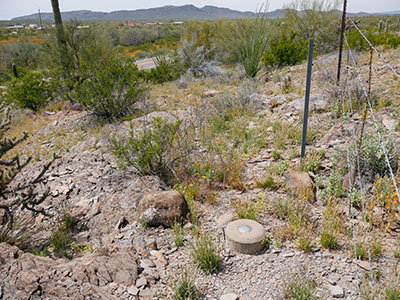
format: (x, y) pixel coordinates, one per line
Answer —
(373, 118)
(352, 181)
(358, 146)
(376, 50)
(352, 217)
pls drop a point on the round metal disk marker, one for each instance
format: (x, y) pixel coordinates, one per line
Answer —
(245, 236)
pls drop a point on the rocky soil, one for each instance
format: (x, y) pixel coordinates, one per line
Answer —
(127, 261)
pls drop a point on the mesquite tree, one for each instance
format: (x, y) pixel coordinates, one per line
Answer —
(23, 195)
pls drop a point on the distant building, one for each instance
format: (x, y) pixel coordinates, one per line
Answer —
(82, 26)
(32, 26)
(178, 23)
(16, 27)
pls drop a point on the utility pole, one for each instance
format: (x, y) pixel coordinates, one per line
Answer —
(40, 19)
(341, 39)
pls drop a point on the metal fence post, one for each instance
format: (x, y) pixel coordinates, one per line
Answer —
(341, 39)
(307, 99)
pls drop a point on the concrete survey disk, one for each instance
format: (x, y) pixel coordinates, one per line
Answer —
(245, 236)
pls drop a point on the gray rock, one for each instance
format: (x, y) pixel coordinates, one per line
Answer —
(142, 281)
(336, 291)
(224, 219)
(230, 296)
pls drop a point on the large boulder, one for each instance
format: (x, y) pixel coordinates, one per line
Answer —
(161, 208)
(302, 184)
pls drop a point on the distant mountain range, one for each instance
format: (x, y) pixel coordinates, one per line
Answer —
(185, 12)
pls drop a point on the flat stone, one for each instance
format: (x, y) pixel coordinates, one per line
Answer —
(160, 257)
(245, 236)
(290, 254)
(230, 296)
(224, 219)
(333, 279)
(147, 293)
(146, 263)
(336, 291)
(141, 282)
(133, 290)
(364, 265)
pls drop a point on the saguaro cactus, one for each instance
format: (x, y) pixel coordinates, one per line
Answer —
(60, 33)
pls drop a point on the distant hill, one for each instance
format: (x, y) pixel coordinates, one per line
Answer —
(169, 12)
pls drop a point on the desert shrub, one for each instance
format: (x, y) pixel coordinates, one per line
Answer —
(61, 237)
(184, 287)
(195, 60)
(21, 53)
(191, 193)
(392, 294)
(311, 162)
(329, 240)
(299, 286)
(247, 209)
(167, 69)
(5, 75)
(384, 196)
(160, 150)
(86, 51)
(335, 186)
(179, 232)
(371, 158)
(206, 254)
(282, 207)
(30, 91)
(319, 20)
(267, 182)
(304, 243)
(137, 36)
(285, 51)
(361, 251)
(111, 90)
(358, 43)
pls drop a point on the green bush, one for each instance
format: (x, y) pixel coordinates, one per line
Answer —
(87, 50)
(247, 209)
(30, 91)
(184, 287)
(299, 287)
(167, 69)
(206, 254)
(386, 39)
(371, 157)
(392, 294)
(61, 237)
(286, 51)
(319, 20)
(111, 90)
(329, 241)
(159, 151)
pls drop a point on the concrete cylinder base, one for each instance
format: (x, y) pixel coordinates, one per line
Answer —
(245, 236)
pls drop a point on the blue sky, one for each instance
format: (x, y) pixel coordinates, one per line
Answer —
(14, 8)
